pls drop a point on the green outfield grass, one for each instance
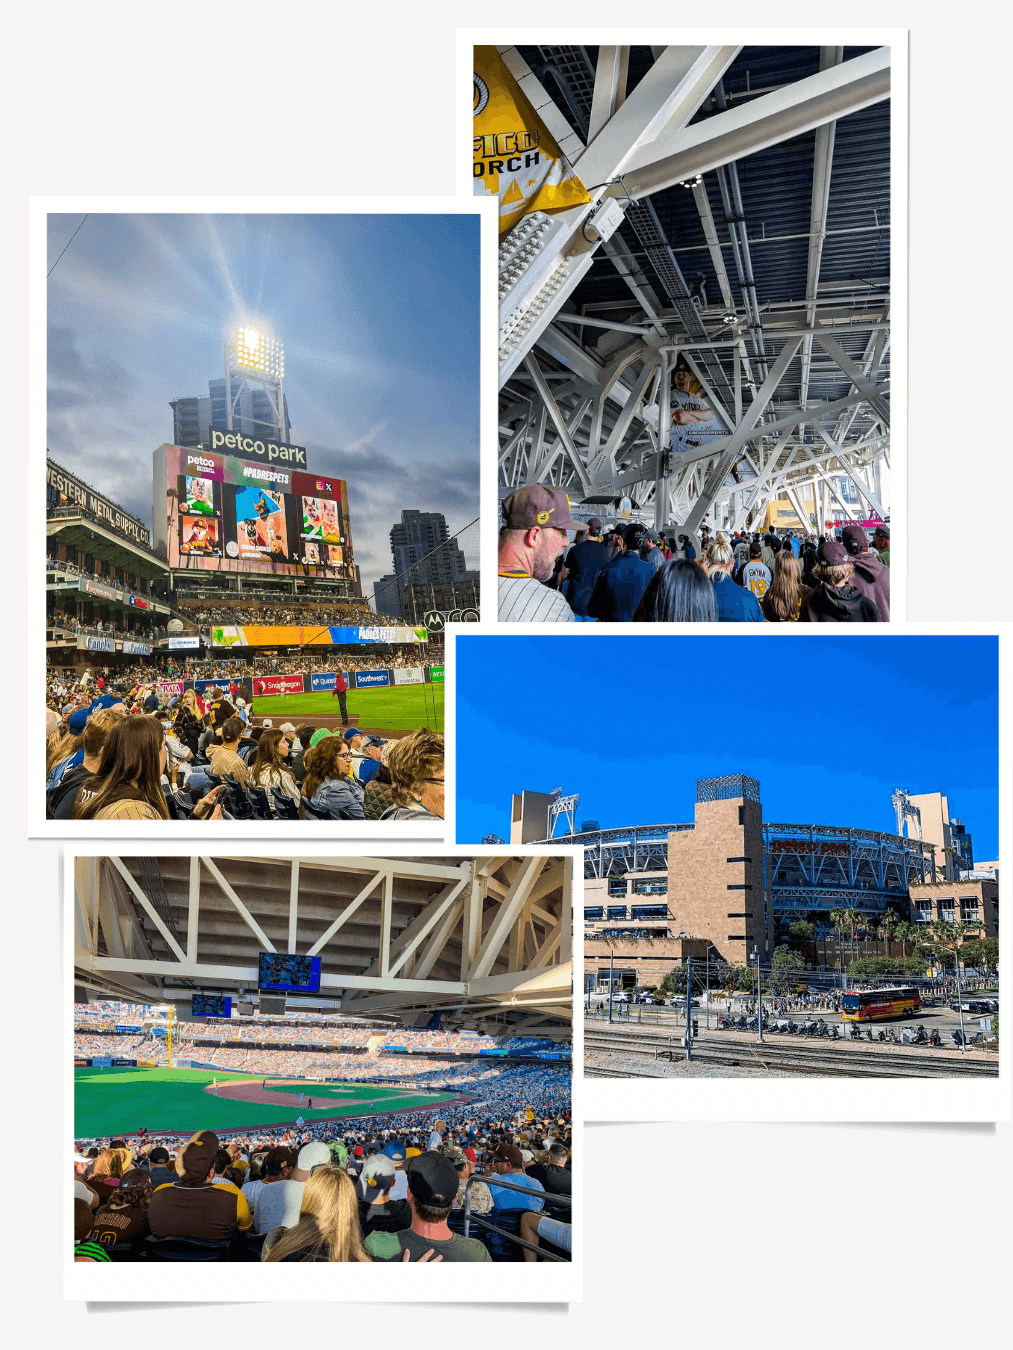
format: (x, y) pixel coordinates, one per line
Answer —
(400, 707)
(173, 1101)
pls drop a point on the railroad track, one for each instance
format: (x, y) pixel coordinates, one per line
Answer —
(837, 1060)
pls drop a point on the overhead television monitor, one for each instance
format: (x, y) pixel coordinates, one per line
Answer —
(211, 1005)
(281, 972)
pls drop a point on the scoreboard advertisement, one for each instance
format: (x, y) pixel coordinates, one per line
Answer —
(223, 513)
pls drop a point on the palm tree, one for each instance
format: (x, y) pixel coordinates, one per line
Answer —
(906, 932)
(854, 918)
(887, 924)
(839, 923)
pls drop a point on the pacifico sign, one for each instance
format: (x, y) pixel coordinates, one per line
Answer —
(224, 442)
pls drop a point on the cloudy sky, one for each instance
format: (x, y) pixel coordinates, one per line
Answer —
(378, 315)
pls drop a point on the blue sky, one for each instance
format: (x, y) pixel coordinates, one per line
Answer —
(828, 725)
(378, 315)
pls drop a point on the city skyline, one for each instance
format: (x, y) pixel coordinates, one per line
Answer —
(139, 307)
(630, 723)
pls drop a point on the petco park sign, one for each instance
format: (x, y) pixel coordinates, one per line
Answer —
(225, 442)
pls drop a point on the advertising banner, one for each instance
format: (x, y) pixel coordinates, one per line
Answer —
(370, 679)
(167, 689)
(201, 685)
(409, 675)
(102, 1061)
(436, 674)
(138, 603)
(869, 524)
(276, 684)
(322, 680)
(92, 587)
(87, 642)
(146, 1064)
(136, 649)
(184, 644)
(72, 489)
(125, 1029)
(118, 1062)
(514, 156)
(81, 1063)
(258, 635)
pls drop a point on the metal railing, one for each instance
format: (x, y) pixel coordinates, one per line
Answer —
(482, 1222)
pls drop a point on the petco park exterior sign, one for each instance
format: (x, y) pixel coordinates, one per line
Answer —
(225, 442)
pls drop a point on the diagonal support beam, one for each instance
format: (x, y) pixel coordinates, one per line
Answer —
(346, 914)
(680, 153)
(559, 421)
(879, 404)
(150, 910)
(740, 435)
(417, 931)
(247, 917)
(509, 912)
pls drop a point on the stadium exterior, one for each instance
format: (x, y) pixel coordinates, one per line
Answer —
(724, 882)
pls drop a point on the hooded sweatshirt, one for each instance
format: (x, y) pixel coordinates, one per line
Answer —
(872, 578)
(838, 604)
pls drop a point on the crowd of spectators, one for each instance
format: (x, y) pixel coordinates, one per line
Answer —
(636, 574)
(138, 753)
(328, 613)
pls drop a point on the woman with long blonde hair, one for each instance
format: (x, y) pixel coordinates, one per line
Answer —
(328, 1227)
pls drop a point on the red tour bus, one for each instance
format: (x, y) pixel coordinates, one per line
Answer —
(872, 1005)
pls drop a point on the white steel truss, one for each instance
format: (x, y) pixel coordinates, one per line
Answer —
(485, 940)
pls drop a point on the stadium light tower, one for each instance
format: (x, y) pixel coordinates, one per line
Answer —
(255, 357)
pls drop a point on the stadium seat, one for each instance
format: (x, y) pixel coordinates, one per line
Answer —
(253, 1246)
(239, 803)
(187, 1249)
(285, 807)
(260, 803)
(312, 813)
(500, 1246)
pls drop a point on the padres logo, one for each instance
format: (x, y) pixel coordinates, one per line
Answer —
(481, 96)
(543, 516)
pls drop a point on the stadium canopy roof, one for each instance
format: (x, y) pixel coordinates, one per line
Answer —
(73, 526)
(487, 940)
(754, 190)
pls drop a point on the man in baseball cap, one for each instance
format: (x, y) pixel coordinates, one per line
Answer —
(432, 1188)
(836, 599)
(871, 574)
(192, 1206)
(535, 522)
(277, 1205)
(881, 543)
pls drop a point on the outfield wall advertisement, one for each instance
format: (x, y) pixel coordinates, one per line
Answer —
(436, 674)
(277, 684)
(310, 635)
(371, 679)
(409, 675)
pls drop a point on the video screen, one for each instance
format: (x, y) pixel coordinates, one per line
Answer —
(199, 498)
(260, 523)
(320, 520)
(281, 972)
(211, 1005)
(311, 551)
(200, 535)
(333, 554)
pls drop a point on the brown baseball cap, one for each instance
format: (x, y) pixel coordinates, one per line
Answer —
(508, 1154)
(535, 505)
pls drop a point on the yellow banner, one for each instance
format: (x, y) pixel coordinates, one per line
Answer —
(515, 157)
(781, 515)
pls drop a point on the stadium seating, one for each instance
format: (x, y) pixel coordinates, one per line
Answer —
(187, 1249)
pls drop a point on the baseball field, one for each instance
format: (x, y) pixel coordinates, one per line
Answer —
(109, 1101)
(402, 707)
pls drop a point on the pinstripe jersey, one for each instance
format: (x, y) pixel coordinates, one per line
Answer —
(522, 599)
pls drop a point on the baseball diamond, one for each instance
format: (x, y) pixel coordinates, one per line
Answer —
(111, 1100)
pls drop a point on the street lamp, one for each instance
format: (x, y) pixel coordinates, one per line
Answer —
(759, 996)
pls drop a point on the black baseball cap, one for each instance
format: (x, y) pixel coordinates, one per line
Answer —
(432, 1179)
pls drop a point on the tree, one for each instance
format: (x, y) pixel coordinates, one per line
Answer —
(888, 923)
(907, 966)
(982, 953)
(839, 923)
(785, 968)
(906, 932)
(804, 930)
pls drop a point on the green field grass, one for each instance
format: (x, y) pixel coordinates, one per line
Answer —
(173, 1101)
(401, 707)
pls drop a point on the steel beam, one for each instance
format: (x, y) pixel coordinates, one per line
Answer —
(609, 87)
(873, 395)
(681, 152)
(545, 393)
(150, 910)
(823, 158)
(729, 455)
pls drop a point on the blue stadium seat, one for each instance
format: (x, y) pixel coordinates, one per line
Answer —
(312, 813)
(187, 1249)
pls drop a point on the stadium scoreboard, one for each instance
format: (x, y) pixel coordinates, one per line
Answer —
(285, 973)
(220, 512)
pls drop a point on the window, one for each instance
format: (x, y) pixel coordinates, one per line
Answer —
(736, 937)
(746, 914)
(745, 887)
(742, 815)
(746, 860)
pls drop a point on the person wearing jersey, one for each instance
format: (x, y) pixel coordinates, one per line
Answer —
(755, 576)
(535, 522)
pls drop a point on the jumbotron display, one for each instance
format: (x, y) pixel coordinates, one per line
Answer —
(223, 513)
(211, 1005)
(284, 972)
